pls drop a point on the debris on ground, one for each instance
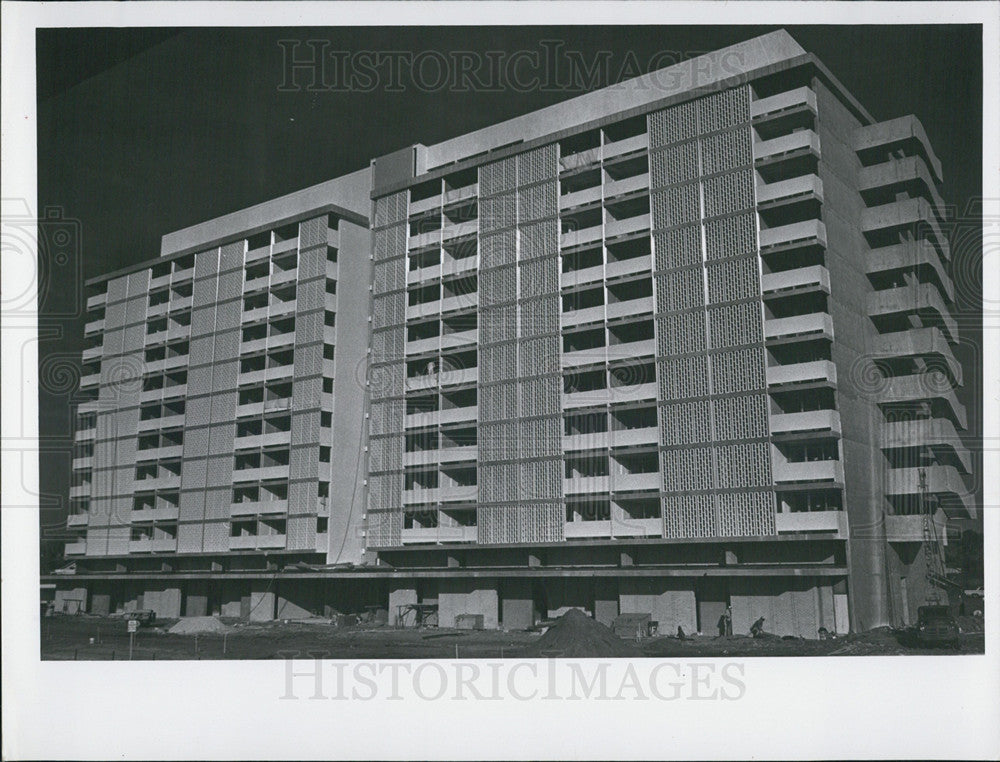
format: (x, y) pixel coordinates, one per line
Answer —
(198, 625)
(576, 635)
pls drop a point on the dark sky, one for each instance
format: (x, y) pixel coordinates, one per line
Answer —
(144, 131)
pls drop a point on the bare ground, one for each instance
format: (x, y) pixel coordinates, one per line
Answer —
(68, 638)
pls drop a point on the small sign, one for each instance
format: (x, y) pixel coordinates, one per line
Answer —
(133, 625)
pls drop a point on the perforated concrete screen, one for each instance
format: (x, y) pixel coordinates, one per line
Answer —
(709, 322)
(387, 411)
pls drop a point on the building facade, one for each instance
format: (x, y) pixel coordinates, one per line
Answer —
(676, 345)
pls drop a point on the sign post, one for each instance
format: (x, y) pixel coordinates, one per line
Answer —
(133, 626)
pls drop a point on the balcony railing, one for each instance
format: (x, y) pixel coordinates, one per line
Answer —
(808, 232)
(938, 432)
(632, 393)
(812, 521)
(910, 299)
(77, 520)
(626, 527)
(906, 213)
(77, 548)
(809, 471)
(634, 437)
(813, 325)
(633, 184)
(793, 281)
(616, 228)
(463, 494)
(580, 159)
(904, 129)
(443, 455)
(574, 199)
(818, 371)
(581, 529)
(626, 308)
(582, 236)
(794, 142)
(791, 100)
(587, 485)
(154, 514)
(632, 144)
(636, 482)
(259, 508)
(258, 542)
(148, 545)
(825, 421)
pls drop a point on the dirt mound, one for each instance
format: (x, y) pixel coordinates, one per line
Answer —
(199, 625)
(576, 635)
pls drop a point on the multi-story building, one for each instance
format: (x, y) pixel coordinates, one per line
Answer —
(222, 373)
(679, 344)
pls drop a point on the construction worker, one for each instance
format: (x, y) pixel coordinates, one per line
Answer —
(729, 620)
(757, 628)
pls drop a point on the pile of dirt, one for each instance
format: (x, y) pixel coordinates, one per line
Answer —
(199, 625)
(576, 635)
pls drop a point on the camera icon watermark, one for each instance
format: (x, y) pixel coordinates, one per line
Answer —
(43, 269)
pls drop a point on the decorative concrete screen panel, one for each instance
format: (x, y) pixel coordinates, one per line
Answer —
(520, 447)
(709, 320)
(386, 379)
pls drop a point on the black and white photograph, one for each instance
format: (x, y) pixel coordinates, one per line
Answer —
(617, 364)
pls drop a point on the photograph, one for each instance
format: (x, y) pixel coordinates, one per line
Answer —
(576, 346)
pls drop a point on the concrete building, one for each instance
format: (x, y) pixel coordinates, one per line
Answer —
(679, 344)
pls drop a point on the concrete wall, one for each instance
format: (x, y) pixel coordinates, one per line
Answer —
(165, 602)
(864, 464)
(468, 596)
(71, 600)
(796, 606)
(670, 602)
(517, 604)
(401, 594)
(262, 602)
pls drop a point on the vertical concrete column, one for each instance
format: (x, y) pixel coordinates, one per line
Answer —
(261, 605)
(605, 600)
(517, 605)
(400, 595)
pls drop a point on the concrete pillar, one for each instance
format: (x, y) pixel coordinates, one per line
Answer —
(400, 594)
(230, 594)
(517, 605)
(670, 602)
(71, 600)
(605, 600)
(165, 602)
(261, 605)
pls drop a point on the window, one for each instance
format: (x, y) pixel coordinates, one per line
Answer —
(322, 522)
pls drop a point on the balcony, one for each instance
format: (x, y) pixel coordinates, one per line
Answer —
(458, 414)
(917, 388)
(90, 381)
(799, 280)
(634, 184)
(634, 437)
(458, 377)
(617, 228)
(911, 255)
(801, 98)
(897, 133)
(587, 485)
(76, 548)
(434, 535)
(148, 545)
(793, 144)
(443, 455)
(913, 299)
(623, 482)
(577, 530)
(628, 308)
(75, 520)
(582, 316)
(592, 441)
(94, 326)
(806, 233)
(580, 159)
(466, 339)
(424, 239)
(623, 267)
(900, 174)
(454, 195)
(936, 432)
(911, 214)
(462, 229)
(579, 198)
(87, 461)
(258, 542)
(816, 325)
(260, 474)
(816, 372)
(581, 237)
(92, 353)
(455, 494)
(809, 471)
(261, 252)
(85, 435)
(173, 481)
(97, 300)
(582, 357)
(154, 514)
(280, 247)
(812, 521)
(804, 188)
(911, 528)
(626, 527)
(425, 205)
(157, 453)
(259, 508)
(810, 422)
(583, 276)
(627, 350)
(943, 481)
(918, 342)
(271, 439)
(79, 490)
(633, 144)
(633, 393)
